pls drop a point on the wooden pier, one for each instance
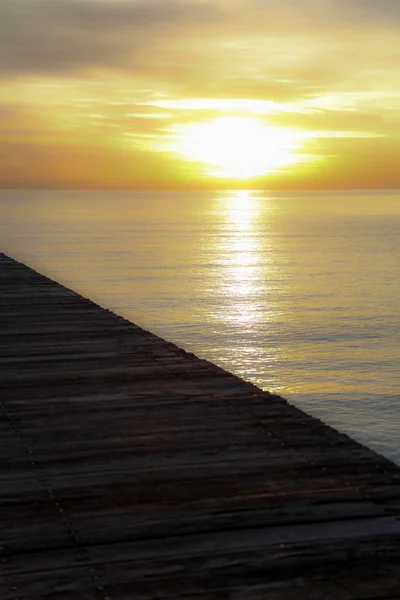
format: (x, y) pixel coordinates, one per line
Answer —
(132, 470)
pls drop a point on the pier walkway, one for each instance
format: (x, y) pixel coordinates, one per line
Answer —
(132, 470)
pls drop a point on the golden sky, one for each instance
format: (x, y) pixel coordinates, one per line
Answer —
(198, 94)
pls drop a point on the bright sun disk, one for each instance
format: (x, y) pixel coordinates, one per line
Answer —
(239, 147)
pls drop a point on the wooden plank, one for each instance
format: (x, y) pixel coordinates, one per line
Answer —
(132, 469)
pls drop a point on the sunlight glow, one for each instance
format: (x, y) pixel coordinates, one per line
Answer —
(262, 107)
(239, 147)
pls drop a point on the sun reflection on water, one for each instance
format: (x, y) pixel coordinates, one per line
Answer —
(244, 259)
(246, 285)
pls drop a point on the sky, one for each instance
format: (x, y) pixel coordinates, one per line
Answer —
(200, 94)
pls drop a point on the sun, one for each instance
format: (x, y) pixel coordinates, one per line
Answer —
(238, 147)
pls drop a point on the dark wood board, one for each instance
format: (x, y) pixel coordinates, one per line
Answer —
(131, 469)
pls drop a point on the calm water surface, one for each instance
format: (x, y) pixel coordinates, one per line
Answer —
(298, 293)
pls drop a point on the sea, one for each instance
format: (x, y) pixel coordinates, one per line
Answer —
(297, 292)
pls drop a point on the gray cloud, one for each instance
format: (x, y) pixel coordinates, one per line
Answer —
(363, 11)
(184, 42)
(44, 36)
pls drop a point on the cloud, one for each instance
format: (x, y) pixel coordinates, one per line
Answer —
(44, 36)
(364, 11)
(87, 75)
(75, 36)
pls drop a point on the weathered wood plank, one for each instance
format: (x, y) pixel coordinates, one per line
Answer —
(130, 469)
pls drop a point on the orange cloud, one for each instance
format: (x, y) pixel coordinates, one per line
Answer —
(91, 89)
